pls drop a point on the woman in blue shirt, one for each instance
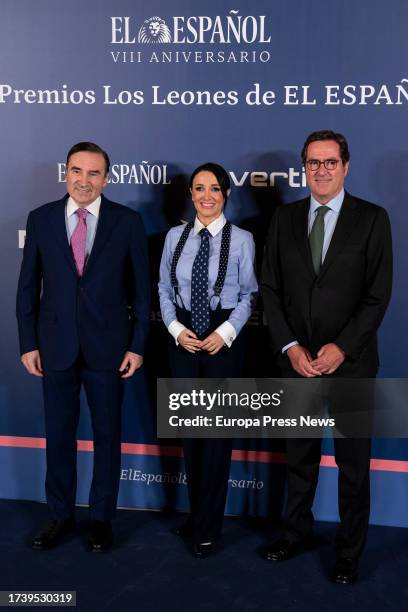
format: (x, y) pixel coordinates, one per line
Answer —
(207, 286)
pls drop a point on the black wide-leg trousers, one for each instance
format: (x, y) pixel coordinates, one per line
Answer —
(207, 461)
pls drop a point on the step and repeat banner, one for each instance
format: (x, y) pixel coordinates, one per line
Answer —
(163, 87)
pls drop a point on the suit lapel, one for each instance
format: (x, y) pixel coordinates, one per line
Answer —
(106, 222)
(300, 220)
(59, 227)
(348, 217)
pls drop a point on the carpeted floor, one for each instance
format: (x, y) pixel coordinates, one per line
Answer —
(150, 569)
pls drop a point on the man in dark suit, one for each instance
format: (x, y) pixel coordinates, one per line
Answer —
(83, 313)
(326, 283)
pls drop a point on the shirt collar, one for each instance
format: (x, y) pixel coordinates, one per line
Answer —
(334, 204)
(93, 208)
(214, 227)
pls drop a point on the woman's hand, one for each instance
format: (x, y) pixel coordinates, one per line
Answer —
(213, 343)
(189, 341)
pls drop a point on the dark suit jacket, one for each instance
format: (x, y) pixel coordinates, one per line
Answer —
(346, 302)
(105, 312)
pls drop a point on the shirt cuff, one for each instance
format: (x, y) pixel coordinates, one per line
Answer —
(288, 346)
(175, 328)
(227, 332)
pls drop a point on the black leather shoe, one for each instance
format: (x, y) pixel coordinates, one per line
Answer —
(345, 571)
(53, 533)
(100, 536)
(184, 531)
(201, 551)
(282, 549)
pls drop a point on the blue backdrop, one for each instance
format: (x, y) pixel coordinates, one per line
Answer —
(238, 83)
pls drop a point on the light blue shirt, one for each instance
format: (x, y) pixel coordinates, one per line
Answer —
(240, 286)
(330, 221)
(71, 221)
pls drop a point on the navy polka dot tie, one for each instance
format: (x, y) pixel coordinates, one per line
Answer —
(200, 314)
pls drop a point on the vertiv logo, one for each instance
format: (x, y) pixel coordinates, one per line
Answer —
(154, 30)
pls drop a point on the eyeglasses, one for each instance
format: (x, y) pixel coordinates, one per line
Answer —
(329, 164)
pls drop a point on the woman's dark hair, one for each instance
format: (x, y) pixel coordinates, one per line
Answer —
(220, 174)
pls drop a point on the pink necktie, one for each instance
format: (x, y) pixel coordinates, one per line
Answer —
(78, 240)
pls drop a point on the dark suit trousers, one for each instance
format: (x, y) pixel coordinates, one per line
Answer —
(353, 461)
(207, 461)
(104, 392)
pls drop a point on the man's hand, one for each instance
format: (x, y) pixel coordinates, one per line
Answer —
(189, 341)
(301, 361)
(329, 358)
(213, 343)
(131, 362)
(32, 363)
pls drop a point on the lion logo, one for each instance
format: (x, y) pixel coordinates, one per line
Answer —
(154, 30)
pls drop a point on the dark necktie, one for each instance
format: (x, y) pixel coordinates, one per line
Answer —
(316, 237)
(200, 314)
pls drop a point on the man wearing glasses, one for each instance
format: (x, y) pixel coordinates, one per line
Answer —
(326, 284)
